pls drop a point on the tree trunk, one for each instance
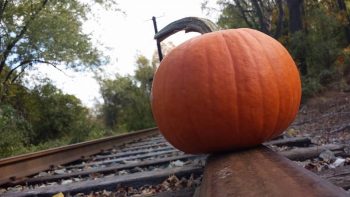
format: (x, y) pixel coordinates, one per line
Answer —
(295, 20)
(262, 22)
(279, 26)
(295, 8)
(342, 8)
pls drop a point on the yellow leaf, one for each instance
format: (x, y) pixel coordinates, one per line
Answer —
(292, 132)
(58, 195)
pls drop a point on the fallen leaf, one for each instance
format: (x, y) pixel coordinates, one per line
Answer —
(58, 195)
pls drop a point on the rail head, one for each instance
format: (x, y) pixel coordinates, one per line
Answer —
(261, 172)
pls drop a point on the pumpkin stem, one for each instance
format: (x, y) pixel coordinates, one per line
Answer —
(189, 24)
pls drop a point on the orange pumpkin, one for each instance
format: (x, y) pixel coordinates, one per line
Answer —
(225, 90)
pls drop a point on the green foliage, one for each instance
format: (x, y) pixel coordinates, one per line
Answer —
(321, 45)
(126, 106)
(117, 95)
(144, 74)
(247, 13)
(126, 99)
(57, 115)
(230, 17)
(325, 38)
(43, 117)
(318, 46)
(50, 32)
(46, 32)
(310, 87)
(15, 131)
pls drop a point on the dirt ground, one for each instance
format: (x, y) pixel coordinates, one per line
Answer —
(325, 119)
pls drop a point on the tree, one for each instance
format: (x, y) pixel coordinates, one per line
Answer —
(36, 118)
(316, 33)
(143, 74)
(166, 48)
(117, 95)
(345, 18)
(45, 32)
(127, 99)
(261, 18)
(51, 113)
(279, 26)
(236, 13)
(15, 131)
(56, 115)
(324, 35)
(295, 8)
(255, 14)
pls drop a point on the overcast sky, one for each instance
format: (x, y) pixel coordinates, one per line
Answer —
(123, 37)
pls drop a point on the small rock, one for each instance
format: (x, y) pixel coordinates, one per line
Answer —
(15, 189)
(110, 175)
(42, 186)
(65, 182)
(338, 162)
(52, 183)
(106, 193)
(136, 169)
(130, 161)
(61, 171)
(347, 149)
(123, 172)
(327, 156)
(177, 163)
(76, 179)
(41, 174)
(303, 163)
(2, 190)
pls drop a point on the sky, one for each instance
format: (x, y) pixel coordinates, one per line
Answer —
(122, 36)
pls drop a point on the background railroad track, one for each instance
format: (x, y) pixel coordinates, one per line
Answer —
(144, 164)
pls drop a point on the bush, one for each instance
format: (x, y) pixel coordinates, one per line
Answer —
(42, 118)
(15, 132)
(310, 87)
(326, 77)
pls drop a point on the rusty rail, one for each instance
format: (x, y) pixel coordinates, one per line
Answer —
(253, 172)
(261, 172)
(18, 167)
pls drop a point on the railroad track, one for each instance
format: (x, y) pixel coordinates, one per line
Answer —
(144, 164)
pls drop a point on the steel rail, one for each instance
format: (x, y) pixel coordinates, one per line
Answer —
(18, 167)
(261, 172)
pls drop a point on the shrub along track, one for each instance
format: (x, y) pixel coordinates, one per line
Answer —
(143, 163)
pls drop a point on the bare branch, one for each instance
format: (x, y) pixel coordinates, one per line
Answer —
(18, 75)
(342, 128)
(3, 5)
(263, 26)
(24, 64)
(244, 2)
(15, 68)
(243, 13)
